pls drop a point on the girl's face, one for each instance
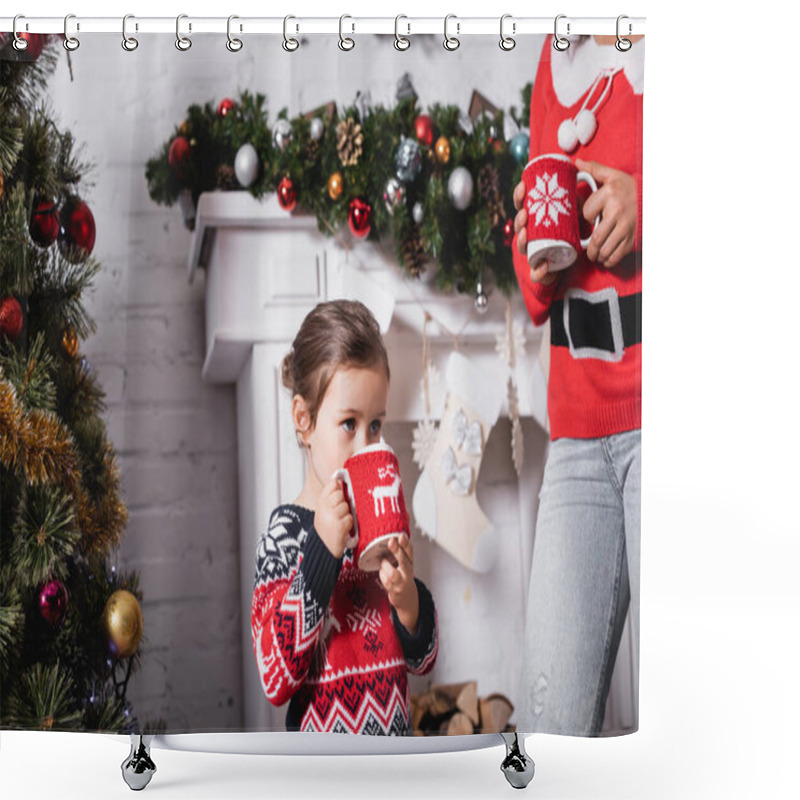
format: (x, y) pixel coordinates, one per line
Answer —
(350, 418)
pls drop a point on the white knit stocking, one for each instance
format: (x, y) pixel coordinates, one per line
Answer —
(444, 503)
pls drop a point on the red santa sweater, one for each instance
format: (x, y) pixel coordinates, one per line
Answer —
(326, 636)
(594, 386)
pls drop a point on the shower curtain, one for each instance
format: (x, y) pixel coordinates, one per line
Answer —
(171, 217)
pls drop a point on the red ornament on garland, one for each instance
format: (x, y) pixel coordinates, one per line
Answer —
(35, 41)
(179, 153)
(359, 217)
(53, 601)
(508, 232)
(77, 235)
(423, 127)
(45, 223)
(10, 318)
(225, 105)
(287, 194)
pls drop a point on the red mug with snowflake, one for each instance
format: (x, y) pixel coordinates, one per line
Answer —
(371, 483)
(551, 200)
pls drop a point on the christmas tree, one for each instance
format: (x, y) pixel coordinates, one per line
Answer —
(70, 624)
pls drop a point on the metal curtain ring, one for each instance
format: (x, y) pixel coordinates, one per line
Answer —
(289, 44)
(400, 42)
(70, 42)
(128, 42)
(183, 43)
(623, 45)
(345, 42)
(559, 42)
(507, 42)
(233, 44)
(451, 42)
(19, 42)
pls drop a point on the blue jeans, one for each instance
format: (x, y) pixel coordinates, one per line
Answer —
(584, 576)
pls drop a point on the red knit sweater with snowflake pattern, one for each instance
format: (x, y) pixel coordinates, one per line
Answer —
(590, 396)
(326, 637)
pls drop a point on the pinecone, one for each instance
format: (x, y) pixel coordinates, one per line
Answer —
(414, 256)
(349, 141)
(489, 188)
(312, 149)
(226, 178)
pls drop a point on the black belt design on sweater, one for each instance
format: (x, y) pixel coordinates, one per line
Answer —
(596, 324)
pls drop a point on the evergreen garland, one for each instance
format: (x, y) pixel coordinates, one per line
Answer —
(360, 143)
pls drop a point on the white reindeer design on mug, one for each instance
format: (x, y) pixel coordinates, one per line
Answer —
(390, 491)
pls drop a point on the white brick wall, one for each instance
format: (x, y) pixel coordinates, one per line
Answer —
(175, 435)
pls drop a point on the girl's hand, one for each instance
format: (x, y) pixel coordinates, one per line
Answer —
(539, 271)
(332, 517)
(398, 580)
(615, 200)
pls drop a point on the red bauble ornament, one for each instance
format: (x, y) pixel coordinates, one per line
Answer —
(10, 318)
(76, 238)
(359, 218)
(53, 600)
(45, 223)
(179, 153)
(35, 44)
(225, 105)
(423, 127)
(508, 232)
(287, 194)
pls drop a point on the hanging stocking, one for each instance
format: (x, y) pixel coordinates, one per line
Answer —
(445, 506)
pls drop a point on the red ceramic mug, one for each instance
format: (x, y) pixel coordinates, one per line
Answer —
(551, 200)
(372, 487)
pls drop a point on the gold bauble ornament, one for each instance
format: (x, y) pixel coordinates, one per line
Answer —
(335, 185)
(442, 149)
(184, 128)
(69, 342)
(122, 622)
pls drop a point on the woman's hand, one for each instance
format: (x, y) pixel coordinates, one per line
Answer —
(398, 580)
(540, 270)
(332, 518)
(615, 200)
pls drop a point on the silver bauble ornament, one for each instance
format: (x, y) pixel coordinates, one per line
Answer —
(459, 188)
(246, 165)
(317, 129)
(394, 195)
(481, 300)
(408, 160)
(282, 134)
(417, 213)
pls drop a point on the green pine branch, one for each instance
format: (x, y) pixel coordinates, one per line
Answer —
(45, 536)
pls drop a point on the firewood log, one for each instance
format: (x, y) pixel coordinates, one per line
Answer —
(464, 696)
(496, 710)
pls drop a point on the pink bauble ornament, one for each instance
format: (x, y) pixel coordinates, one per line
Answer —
(53, 600)
(359, 217)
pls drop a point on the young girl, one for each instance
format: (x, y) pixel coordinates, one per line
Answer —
(337, 641)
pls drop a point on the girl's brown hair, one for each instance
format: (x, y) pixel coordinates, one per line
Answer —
(338, 333)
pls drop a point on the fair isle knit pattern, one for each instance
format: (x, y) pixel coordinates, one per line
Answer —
(327, 639)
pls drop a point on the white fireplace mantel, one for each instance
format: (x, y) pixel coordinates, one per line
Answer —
(265, 269)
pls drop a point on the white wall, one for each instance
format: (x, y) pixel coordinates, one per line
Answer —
(175, 435)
